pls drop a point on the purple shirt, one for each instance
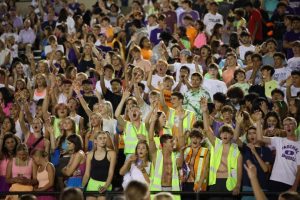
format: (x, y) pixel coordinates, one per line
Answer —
(171, 19)
(194, 14)
(27, 36)
(217, 125)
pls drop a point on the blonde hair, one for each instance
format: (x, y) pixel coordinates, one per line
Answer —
(163, 196)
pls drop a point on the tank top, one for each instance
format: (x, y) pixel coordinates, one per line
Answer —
(32, 139)
(25, 171)
(76, 118)
(3, 166)
(39, 95)
(43, 177)
(100, 175)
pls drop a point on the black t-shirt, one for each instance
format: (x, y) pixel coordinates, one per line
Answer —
(266, 155)
(113, 98)
(91, 101)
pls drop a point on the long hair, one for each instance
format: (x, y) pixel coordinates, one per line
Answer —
(4, 150)
(147, 147)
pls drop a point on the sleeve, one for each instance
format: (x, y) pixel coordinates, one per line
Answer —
(298, 158)
(205, 20)
(275, 142)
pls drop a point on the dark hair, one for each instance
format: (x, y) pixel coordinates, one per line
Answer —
(275, 115)
(28, 197)
(277, 91)
(235, 92)
(296, 72)
(71, 194)
(279, 54)
(249, 53)
(142, 40)
(234, 40)
(4, 150)
(63, 15)
(179, 95)
(7, 98)
(76, 140)
(198, 124)
(283, 108)
(256, 55)
(147, 147)
(198, 75)
(164, 138)
(239, 12)
(226, 128)
(12, 123)
(268, 68)
(220, 97)
(297, 115)
(116, 80)
(184, 67)
(196, 133)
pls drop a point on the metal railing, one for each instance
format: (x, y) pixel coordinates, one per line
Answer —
(110, 195)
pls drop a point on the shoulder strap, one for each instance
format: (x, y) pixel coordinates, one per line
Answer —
(35, 143)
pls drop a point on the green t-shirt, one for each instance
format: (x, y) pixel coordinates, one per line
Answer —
(269, 87)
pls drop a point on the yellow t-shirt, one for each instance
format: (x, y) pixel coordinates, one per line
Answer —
(269, 86)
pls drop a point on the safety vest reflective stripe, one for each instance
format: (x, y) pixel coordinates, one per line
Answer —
(156, 176)
(201, 166)
(130, 136)
(186, 122)
(232, 160)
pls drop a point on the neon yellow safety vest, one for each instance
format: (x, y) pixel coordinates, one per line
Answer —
(166, 131)
(157, 170)
(199, 164)
(232, 163)
(130, 136)
(186, 122)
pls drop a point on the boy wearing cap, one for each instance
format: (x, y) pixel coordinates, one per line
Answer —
(267, 72)
(294, 62)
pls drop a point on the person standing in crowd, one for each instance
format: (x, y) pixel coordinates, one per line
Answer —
(100, 158)
(225, 173)
(287, 156)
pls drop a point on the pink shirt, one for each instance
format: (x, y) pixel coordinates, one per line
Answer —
(3, 166)
(200, 40)
(25, 171)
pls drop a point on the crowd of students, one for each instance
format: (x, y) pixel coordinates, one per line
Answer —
(172, 94)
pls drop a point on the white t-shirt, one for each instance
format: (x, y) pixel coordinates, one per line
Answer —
(293, 64)
(110, 125)
(145, 109)
(48, 49)
(286, 161)
(191, 66)
(243, 50)
(213, 86)
(211, 20)
(281, 74)
(157, 79)
(107, 85)
(62, 99)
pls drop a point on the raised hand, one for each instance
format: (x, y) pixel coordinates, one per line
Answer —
(203, 104)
